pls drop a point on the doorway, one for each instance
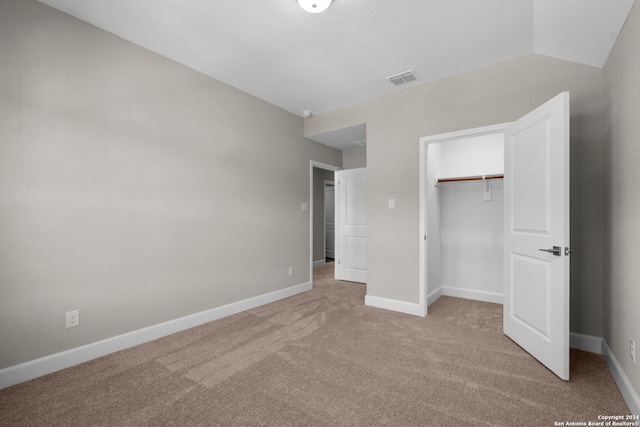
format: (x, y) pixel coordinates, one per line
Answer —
(433, 163)
(469, 153)
(319, 173)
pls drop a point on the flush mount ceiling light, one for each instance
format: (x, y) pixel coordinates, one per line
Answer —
(314, 6)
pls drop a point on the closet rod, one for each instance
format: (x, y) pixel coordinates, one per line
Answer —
(470, 178)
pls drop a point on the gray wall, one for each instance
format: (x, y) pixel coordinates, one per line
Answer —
(133, 188)
(494, 94)
(354, 158)
(622, 202)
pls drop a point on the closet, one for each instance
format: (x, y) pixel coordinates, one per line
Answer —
(503, 240)
(465, 217)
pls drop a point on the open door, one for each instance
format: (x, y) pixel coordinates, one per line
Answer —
(351, 225)
(536, 245)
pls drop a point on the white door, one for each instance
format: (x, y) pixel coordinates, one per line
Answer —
(536, 218)
(351, 224)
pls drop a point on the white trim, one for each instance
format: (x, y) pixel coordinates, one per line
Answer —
(319, 262)
(472, 294)
(424, 299)
(629, 394)
(466, 133)
(55, 362)
(325, 166)
(393, 305)
(586, 343)
(423, 291)
(433, 296)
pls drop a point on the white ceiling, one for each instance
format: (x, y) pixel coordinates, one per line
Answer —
(298, 61)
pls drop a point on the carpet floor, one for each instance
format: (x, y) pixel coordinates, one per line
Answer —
(323, 359)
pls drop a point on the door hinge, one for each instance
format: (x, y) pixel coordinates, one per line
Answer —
(568, 251)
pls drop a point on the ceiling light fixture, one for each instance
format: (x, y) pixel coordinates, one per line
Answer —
(314, 6)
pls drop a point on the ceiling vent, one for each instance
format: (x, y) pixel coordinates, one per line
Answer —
(402, 78)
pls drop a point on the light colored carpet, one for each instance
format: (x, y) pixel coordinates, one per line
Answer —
(323, 359)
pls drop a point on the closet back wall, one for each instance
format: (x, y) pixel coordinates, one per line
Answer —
(472, 240)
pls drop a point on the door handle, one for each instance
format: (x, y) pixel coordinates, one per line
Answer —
(555, 251)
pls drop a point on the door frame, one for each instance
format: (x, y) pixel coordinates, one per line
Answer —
(325, 166)
(425, 299)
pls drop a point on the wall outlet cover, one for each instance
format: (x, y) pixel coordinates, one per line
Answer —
(73, 319)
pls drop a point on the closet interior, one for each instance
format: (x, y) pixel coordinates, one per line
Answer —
(465, 211)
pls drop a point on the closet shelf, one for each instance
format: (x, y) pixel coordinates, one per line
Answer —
(470, 178)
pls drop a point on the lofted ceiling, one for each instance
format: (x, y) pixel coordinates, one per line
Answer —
(299, 61)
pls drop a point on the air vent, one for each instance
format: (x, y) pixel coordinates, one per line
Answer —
(402, 78)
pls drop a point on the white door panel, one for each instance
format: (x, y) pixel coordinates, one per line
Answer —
(531, 179)
(356, 253)
(531, 299)
(536, 296)
(351, 225)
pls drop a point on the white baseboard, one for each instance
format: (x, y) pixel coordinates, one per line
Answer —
(473, 294)
(319, 262)
(433, 296)
(393, 305)
(586, 343)
(55, 362)
(629, 394)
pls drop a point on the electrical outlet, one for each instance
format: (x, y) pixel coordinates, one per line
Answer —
(290, 271)
(632, 349)
(73, 318)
